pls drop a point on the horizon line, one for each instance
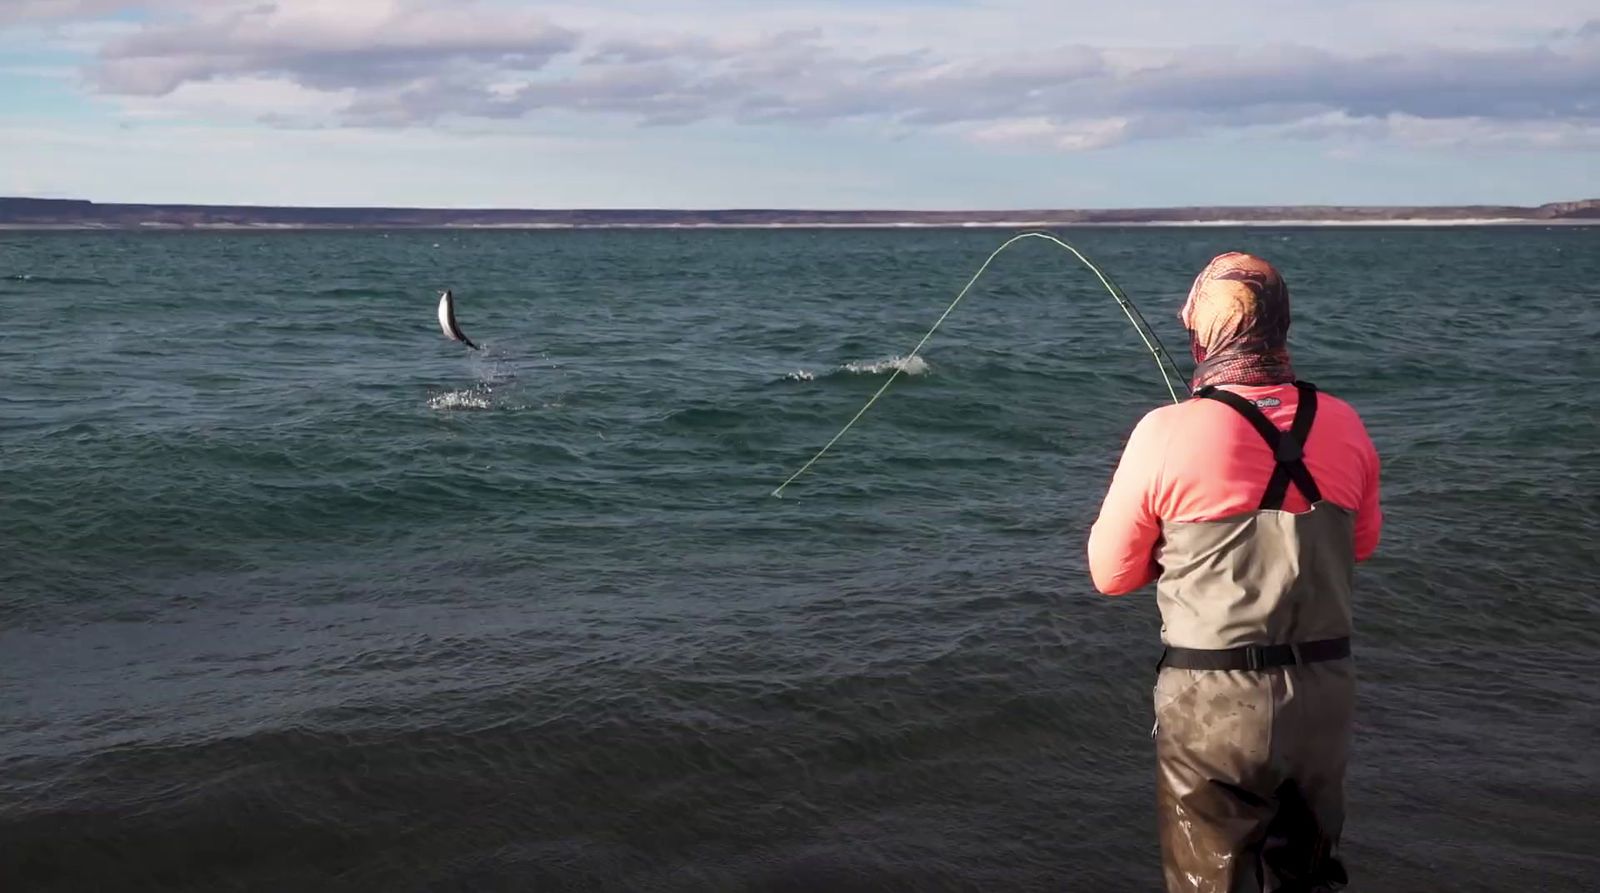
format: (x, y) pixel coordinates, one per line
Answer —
(770, 209)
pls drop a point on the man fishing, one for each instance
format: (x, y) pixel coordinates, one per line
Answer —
(1248, 507)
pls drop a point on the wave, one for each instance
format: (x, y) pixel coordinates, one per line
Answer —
(54, 280)
(912, 366)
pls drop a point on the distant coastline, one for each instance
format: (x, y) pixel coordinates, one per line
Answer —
(68, 214)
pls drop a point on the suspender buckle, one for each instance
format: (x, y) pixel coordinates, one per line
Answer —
(1252, 657)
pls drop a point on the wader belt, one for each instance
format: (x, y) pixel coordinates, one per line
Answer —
(1287, 448)
(1255, 657)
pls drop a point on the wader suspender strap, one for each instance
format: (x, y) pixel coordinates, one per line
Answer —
(1287, 448)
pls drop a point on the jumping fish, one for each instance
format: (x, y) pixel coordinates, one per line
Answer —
(447, 320)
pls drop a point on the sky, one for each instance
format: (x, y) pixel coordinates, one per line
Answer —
(913, 104)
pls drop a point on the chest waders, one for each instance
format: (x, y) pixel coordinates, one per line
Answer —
(1254, 695)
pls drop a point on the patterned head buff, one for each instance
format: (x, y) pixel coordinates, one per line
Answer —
(1238, 321)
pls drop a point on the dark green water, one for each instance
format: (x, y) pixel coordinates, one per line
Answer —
(295, 594)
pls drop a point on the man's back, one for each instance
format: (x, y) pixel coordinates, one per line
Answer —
(1201, 461)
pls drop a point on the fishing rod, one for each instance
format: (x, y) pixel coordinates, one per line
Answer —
(1152, 341)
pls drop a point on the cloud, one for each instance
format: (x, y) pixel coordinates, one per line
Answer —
(17, 11)
(1587, 30)
(329, 46)
(1448, 133)
(1044, 133)
(275, 102)
(407, 63)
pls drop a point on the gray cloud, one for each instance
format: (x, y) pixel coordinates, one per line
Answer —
(1428, 83)
(328, 54)
(15, 11)
(416, 66)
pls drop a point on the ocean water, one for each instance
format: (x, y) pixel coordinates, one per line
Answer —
(297, 595)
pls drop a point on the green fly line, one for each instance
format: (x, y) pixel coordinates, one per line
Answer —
(1151, 342)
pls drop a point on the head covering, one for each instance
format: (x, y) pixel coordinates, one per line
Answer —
(1237, 315)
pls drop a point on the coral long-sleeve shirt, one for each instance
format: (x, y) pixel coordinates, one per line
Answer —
(1201, 461)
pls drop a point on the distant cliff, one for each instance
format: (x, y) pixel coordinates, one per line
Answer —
(62, 213)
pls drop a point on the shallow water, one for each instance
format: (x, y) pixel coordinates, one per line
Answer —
(297, 594)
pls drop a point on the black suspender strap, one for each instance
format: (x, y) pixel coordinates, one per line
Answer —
(1299, 431)
(1288, 448)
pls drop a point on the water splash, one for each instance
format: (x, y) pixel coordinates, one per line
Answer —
(912, 366)
(476, 397)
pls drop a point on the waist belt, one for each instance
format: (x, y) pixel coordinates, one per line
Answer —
(1255, 657)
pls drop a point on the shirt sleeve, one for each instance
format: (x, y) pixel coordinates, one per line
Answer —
(1123, 540)
(1369, 516)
